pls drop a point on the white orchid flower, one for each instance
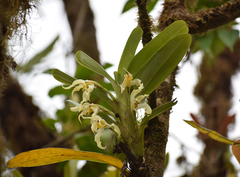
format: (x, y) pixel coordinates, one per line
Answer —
(87, 87)
(98, 127)
(85, 109)
(136, 101)
(129, 81)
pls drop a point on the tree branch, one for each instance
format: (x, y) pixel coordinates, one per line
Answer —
(201, 21)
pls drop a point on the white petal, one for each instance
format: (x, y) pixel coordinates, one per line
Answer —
(136, 91)
(141, 97)
(116, 129)
(148, 109)
(90, 88)
(86, 96)
(136, 82)
(97, 138)
(95, 109)
(77, 88)
(94, 126)
(76, 82)
(77, 108)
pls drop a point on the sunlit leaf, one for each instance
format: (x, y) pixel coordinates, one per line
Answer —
(38, 57)
(48, 156)
(164, 62)
(62, 77)
(212, 134)
(129, 51)
(91, 64)
(149, 50)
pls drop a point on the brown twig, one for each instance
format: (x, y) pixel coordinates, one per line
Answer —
(201, 21)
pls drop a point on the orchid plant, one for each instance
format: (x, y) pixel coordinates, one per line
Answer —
(137, 76)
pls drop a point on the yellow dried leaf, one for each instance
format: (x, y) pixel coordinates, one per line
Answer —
(212, 134)
(48, 156)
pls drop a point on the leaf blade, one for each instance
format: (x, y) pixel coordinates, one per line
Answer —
(48, 156)
(86, 61)
(158, 110)
(164, 62)
(129, 50)
(149, 50)
(212, 134)
(62, 77)
(38, 57)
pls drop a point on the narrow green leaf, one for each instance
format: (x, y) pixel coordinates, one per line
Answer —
(62, 77)
(166, 161)
(86, 61)
(128, 5)
(129, 50)
(158, 110)
(59, 91)
(38, 57)
(164, 62)
(149, 50)
(102, 95)
(212, 134)
(151, 5)
(16, 173)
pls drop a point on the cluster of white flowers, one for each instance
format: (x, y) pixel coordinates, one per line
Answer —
(135, 101)
(90, 111)
(85, 108)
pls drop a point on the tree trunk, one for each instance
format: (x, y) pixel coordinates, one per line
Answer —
(214, 91)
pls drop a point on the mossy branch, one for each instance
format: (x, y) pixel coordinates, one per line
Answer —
(201, 21)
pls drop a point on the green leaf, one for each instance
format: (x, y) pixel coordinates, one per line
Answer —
(229, 37)
(149, 50)
(151, 5)
(102, 95)
(70, 169)
(212, 134)
(128, 5)
(59, 91)
(48, 156)
(86, 61)
(158, 110)
(206, 41)
(166, 161)
(16, 173)
(164, 62)
(129, 51)
(62, 77)
(107, 65)
(38, 57)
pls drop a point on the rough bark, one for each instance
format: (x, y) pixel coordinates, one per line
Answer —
(22, 127)
(80, 17)
(214, 91)
(202, 21)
